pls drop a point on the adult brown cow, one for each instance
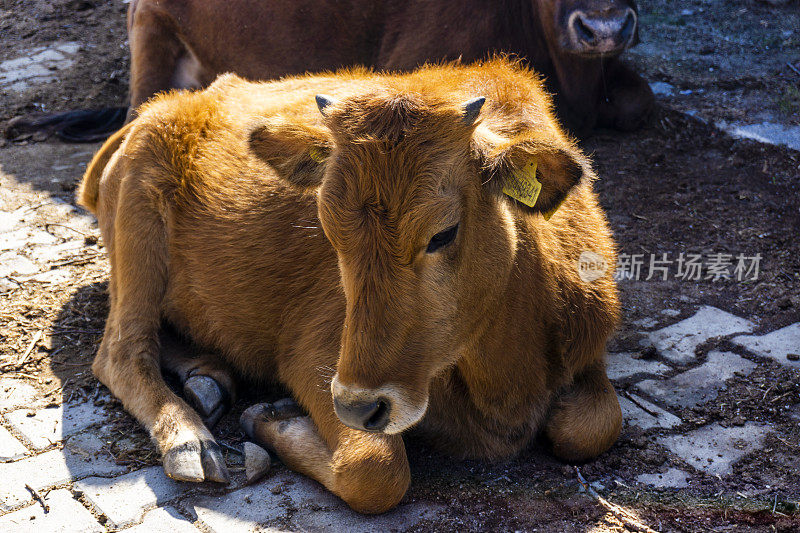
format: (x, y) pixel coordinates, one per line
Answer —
(386, 260)
(575, 44)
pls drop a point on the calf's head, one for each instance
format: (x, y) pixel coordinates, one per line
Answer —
(413, 195)
(589, 27)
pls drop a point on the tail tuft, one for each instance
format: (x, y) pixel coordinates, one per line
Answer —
(83, 126)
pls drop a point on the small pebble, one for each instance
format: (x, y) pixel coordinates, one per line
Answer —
(256, 462)
(793, 357)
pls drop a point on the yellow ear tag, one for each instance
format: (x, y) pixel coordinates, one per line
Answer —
(316, 154)
(523, 186)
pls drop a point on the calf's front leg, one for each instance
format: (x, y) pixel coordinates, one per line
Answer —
(369, 471)
(128, 359)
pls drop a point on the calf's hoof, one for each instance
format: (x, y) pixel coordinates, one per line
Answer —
(208, 398)
(195, 458)
(264, 413)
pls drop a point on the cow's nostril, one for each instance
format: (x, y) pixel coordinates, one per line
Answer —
(379, 417)
(582, 31)
(363, 415)
(628, 28)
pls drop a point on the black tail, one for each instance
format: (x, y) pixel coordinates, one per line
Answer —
(84, 126)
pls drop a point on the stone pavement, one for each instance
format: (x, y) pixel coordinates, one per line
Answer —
(56, 452)
(38, 65)
(56, 473)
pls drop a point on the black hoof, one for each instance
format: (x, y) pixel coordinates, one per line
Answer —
(208, 398)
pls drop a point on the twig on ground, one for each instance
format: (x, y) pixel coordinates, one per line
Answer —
(231, 448)
(47, 228)
(31, 346)
(38, 497)
(58, 389)
(644, 408)
(620, 513)
(24, 375)
(77, 260)
(793, 68)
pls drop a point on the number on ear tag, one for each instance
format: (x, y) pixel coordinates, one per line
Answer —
(523, 186)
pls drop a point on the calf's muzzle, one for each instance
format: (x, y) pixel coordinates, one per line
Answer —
(365, 415)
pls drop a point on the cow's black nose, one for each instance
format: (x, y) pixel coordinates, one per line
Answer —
(363, 415)
(603, 32)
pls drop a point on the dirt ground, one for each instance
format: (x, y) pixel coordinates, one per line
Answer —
(678, 186)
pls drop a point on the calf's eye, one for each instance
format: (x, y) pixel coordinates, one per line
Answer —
(442, 239)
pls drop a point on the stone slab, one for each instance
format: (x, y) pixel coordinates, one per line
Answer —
(15, 264)
(776, 345)
(55, 252)
(714, 449)
(16, 393)
(661, 88)
(765, 132)
(673, 478)
(49, 469)
(678, 342)
(645, 415)
(125, 499)
(66, 515)
(11, 219)
(624, 365)
(18, 239)
(289, 501)
(700, 384)
(43, 427)
(163, 520)
(646, 323)
(36, 66)
(10, 447)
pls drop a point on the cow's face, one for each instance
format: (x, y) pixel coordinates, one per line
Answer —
(410, 198)
(589, 27)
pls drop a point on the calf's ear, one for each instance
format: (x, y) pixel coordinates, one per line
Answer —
(297, 152)
(534, 170)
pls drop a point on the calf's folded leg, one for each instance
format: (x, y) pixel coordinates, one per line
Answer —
(585, 419)
(128, 359)
(368, 471)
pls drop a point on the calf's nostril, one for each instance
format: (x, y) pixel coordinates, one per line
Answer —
(364, 415)
(379, 417)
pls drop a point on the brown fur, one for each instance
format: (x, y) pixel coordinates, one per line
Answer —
(221, 216)
(187, 44)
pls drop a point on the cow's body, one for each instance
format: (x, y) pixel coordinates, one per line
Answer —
(205, 231)
(189, 43)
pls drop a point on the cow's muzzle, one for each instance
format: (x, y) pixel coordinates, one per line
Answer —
(601, 33)
(386, 409)
(364, 415)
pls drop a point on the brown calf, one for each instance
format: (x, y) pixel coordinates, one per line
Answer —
(374, 253)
